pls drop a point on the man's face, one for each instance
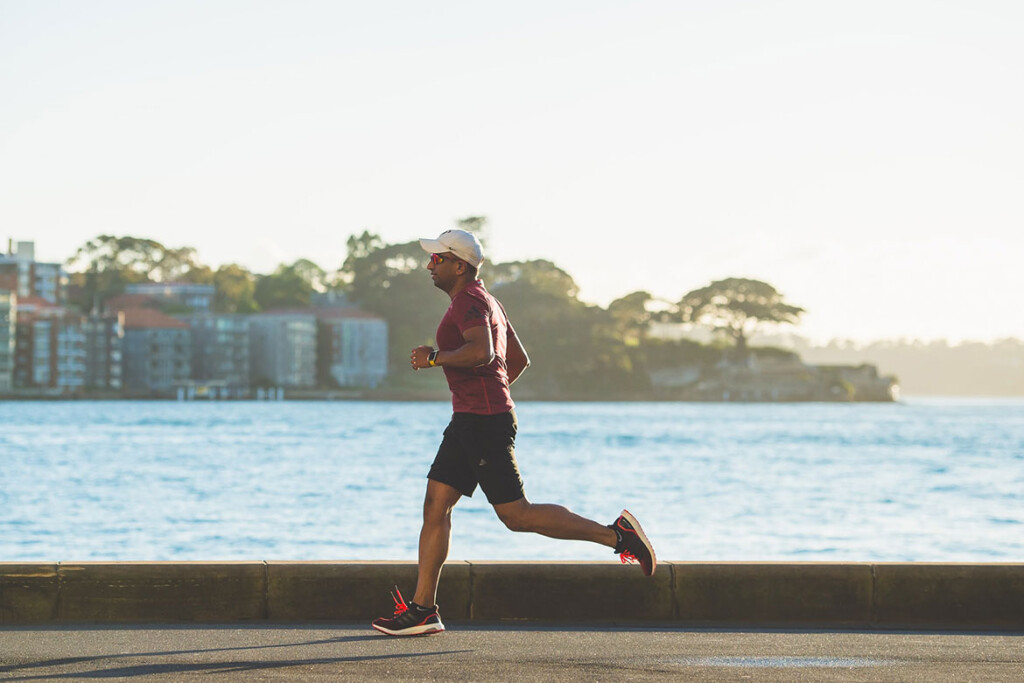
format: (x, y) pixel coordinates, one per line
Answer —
(443, 269)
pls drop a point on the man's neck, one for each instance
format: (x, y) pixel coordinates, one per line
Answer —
(460, 285)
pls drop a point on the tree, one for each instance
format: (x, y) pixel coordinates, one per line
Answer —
(311, 273)
(736, 306)
(573, 346)
(391, 280)
(359, 247)
(542, 277)
(103, 266)
(632, 316)
(134, 257)
(290, 286)
(137, 259)
(177, 265)
(197, 274)
(235, 289)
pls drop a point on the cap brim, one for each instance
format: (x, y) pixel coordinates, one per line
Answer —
(433, 247)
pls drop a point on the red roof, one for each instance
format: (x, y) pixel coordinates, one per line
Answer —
(333, 313)
(288, 311)
(121, 302)
(34, 302)
(344, 312)
(148, 318)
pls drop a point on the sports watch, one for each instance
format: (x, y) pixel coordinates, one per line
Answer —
(431, 358)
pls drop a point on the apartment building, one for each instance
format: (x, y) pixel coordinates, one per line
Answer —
(352, 347)
(282, 347)
(220, 352)
(104, 349)
(157, 353)
(22, 274)
(49, 348)
(8, 334)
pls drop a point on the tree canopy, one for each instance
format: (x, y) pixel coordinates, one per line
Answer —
(391, 280)
(136, 258)
(234, 290)
(289, 286)
(736, 306)
(577, 349)
(632, 316)
(106, 264)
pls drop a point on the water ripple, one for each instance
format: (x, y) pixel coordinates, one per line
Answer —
(920, 481)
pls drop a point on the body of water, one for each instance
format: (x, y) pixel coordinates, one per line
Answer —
(923, 480)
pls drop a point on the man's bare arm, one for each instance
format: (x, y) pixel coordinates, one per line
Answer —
(516, 359)
(478, 349)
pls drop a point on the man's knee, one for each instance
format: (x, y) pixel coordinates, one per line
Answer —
(433, 511)
(438, 505)
(515, 517)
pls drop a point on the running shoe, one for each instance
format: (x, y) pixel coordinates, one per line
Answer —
(633, 544)
(410, 619)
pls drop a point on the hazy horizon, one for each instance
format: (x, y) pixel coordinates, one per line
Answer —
(861, 158)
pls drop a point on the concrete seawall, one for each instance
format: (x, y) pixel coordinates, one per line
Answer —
(699, 594)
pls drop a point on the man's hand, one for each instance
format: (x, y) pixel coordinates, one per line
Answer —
(477, 350)
(419, 357)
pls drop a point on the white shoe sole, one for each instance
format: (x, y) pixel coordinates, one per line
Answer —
(425, 629)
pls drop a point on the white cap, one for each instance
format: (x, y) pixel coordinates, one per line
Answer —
(463, 244)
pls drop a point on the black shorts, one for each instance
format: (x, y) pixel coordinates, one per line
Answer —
(480, 449)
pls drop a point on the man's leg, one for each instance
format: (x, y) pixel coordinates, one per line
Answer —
(624, 535)
(498, 475)
(435, 537)
(554, 521)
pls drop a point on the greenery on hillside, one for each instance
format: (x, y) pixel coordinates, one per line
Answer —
(577, 349)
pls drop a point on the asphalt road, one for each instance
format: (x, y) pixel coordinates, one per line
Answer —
(501, 652)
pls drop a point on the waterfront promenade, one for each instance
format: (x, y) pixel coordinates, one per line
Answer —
(472, 651)
(508, 620)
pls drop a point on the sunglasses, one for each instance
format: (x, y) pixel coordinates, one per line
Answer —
(435, 259)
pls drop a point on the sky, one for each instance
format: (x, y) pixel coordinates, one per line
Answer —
(865, 158)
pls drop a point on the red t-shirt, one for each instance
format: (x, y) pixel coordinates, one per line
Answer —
(484, 389)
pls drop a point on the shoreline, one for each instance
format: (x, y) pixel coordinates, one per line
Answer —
(414, 397)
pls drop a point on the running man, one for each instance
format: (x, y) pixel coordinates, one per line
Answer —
(481, 356)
